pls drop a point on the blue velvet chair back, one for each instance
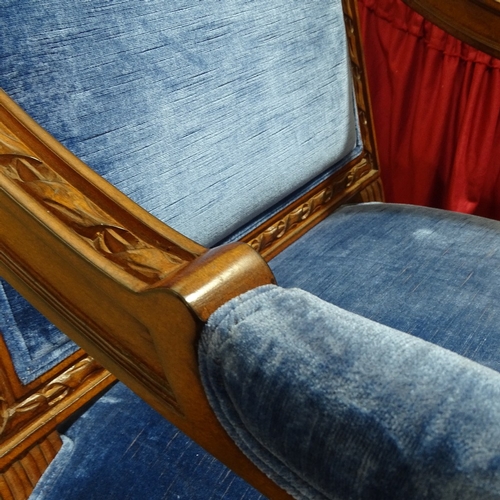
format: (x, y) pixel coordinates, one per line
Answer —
(208, 114)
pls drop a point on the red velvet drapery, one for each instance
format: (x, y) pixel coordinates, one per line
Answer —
(436, 104)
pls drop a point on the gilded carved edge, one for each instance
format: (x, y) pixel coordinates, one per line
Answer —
(92, 224)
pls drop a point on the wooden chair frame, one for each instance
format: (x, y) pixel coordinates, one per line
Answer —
(132, 292)
(476, 22)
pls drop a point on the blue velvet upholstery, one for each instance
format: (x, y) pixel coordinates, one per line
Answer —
(35, 345)
(427, 272)
(333, 405)
(431, 273)
(121, 449)
(184, 105)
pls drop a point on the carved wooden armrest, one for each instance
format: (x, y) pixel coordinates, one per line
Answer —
(133, 292)
(128, 289)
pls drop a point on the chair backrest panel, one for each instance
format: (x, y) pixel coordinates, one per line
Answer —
(205, 113)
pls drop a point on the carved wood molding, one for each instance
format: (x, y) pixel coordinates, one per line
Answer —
(97, 228)
(360, 81)
(26, 419)
(105, 232)
(125, 358)
(14, 417)
(322, 200)
(310, 209)
(19, 480)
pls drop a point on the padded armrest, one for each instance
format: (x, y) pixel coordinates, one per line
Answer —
(332, 405)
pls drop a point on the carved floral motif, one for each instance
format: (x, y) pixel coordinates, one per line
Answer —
(83, 216)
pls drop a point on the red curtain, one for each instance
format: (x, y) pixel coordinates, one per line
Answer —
(436, 103)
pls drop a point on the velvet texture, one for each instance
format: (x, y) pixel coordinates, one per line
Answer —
(121, 449)
(35, 345)
(186, 112)
(205, 113)
(332, 405)
(430, 273)
(436, 107)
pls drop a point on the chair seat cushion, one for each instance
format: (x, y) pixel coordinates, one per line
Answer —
(428, 272)
(332, 405)
(120, 448)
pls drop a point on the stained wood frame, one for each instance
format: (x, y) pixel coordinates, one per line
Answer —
(132, 292)
(476, 22)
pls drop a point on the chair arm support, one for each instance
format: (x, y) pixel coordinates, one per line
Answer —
(128, 289)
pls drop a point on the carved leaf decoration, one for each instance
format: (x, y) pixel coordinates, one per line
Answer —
(14, 170)
(116, 240)
(18, 167)
(145, 262)
(10, 145)
(82, 215)
(300, 214)
(39, 402)
(22, 413)
(78, 373)
(138, 258)
(17, 416)
(70, 206)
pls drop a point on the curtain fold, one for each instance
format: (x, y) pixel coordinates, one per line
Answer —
(436, 103)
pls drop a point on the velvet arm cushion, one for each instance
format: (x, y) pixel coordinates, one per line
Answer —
(332, 405)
